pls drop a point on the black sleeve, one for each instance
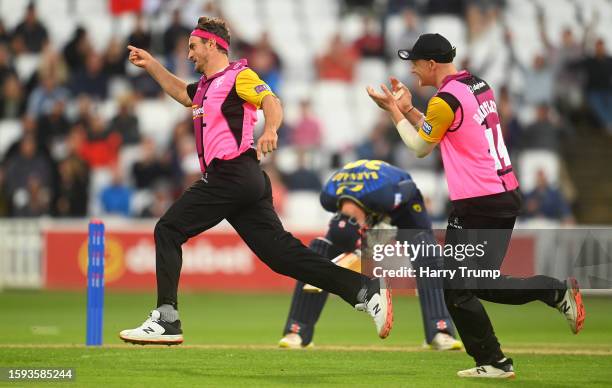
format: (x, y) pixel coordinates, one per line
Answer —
(191, 90)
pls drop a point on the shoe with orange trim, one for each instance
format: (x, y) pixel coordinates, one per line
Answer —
(571, 306)
(154, 331)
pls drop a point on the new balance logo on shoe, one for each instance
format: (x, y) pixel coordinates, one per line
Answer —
(148, 330)
(376, 309)
(565, 307)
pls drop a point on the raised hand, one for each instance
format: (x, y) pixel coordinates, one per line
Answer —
(139, 57)
(402, 95)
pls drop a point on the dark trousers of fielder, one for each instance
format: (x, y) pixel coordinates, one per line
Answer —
(239, 191)
(462, 294)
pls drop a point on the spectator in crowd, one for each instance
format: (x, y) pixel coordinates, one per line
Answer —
(177, 61)
(371, 44)
(510, 125)
(140, 36)
(162, 200)
(114, 58)
(545, 133)
(44, 96)
(175, 30)
(379, 145)
(4, 200)
(101, 148)
(480, 15)
(338, 62)
(279, 191)
(51, 63)
(91, 80)
(149, 170)
(77, 49)
(567, 88)
(30, 35)
(265, 61)
(303, 178)
(12, 98)
(539, 77)
(53, 126)
(539, 80)
(116, 197)
(445, 7)
(145, 86)
(5, 37)
(73, 188)
(546, 201)
(29, 178)
(598, 85)
(410, 30)
(6, 66)
(308, 129)
(125, 122)
(182, 136)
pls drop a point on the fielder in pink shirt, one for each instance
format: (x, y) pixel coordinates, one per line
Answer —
(462, 117)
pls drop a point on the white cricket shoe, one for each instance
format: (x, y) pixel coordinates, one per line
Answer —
(443, 341)
(571, 306)
(154, 331)
(293, 341)
(379, 305)
(502, 369)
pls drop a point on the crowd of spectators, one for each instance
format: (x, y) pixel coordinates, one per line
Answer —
(70, 159)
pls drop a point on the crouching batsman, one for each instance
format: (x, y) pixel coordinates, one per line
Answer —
(369, 194)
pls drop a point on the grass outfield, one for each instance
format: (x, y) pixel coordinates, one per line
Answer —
(229, 340)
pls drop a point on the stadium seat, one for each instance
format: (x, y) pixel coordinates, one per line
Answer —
(128, 156)
(10, 132)
(293, 92)
(244, 17)
(364, 110)
(85, 9)
(318, 34)
(12, 12)
(525, 35)
(451, 27)
(157, 119)
(530, 162)
(26, 65)
(488, 57)
(101, 32)
(61, 33)
(559, 15)
(371, 72)
(279, 11)
(99, 178)
(140, 201)
(351, 27)
(331, 103)
(304, 207)
(433, 188)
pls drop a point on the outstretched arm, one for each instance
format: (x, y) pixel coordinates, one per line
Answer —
(172, 85)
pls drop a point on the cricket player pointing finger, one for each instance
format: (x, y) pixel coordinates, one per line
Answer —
(233, 187)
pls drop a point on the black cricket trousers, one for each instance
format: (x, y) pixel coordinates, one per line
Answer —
(239, 191)
(462, 294)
